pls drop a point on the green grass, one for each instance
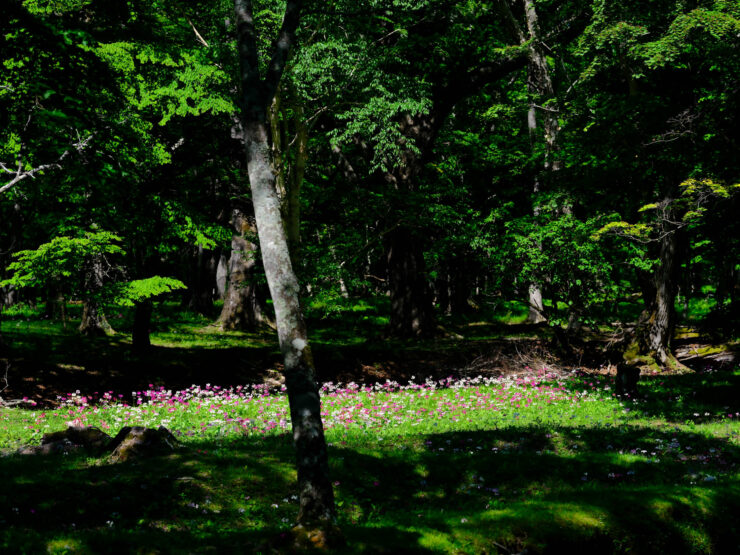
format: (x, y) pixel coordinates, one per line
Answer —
(482, 466)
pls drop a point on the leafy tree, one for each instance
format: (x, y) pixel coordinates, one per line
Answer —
(84, 268)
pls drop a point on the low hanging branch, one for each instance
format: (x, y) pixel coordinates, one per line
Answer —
(19, 174)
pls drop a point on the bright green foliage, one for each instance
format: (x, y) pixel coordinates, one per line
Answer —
(64, 265)
(558, 253)
(185, 229)
(131, 292)
(646, 94)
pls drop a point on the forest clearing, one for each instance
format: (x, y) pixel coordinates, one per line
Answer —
(380, 276)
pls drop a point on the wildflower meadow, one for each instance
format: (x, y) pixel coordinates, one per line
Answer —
(471, 464)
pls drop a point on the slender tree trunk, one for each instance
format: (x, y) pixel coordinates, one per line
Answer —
(316, 495)
(536, 306)
(243, 308)
(8, 295)
(442, 293)
(460, 287)
(541, 90)
(292, 210)
(222, 275)
(289, 169)
(655, 327)
(315, 489)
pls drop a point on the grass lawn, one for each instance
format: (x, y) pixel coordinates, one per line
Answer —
(470, 466)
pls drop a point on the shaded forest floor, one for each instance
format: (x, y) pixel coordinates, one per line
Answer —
(47, 359)
(542, 458)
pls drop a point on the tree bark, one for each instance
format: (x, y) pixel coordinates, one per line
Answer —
(243, 308)
(460, 287)
(292, 210)
(289, 170)
(316, 497)
(655, 327)
(94, 322)
(541, 90)
(536, 306)
(222, 275)
(662, 317)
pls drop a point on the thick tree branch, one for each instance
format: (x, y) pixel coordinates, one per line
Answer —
(285, 40)
(252, 97)
(257, 94)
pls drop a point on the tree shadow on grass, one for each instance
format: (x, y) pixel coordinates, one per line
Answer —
(543, 489)
(200, 498)
(512, 489)
(238, 497)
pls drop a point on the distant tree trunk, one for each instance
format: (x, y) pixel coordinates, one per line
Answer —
(460, 286)
(8, 295)
(442, 292)
(536, 306)
(94, 322)
(541, 91)
(315, 490)
(289, 167)
(412, 312)
(655, 327)
(202, 281)
(662, 318)
(292, 203)
(243, 308)
(142, 326)
(222, 275)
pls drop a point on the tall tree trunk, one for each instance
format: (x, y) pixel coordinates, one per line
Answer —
(652, 345)
(222, 275)
(442, 292)
(460, 287)
(243, 308)
(289, 167)
(315, 489)
(292, 202)
(536, 306)
(412, 312)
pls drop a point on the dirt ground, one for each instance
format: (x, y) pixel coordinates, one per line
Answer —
(95, 366)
